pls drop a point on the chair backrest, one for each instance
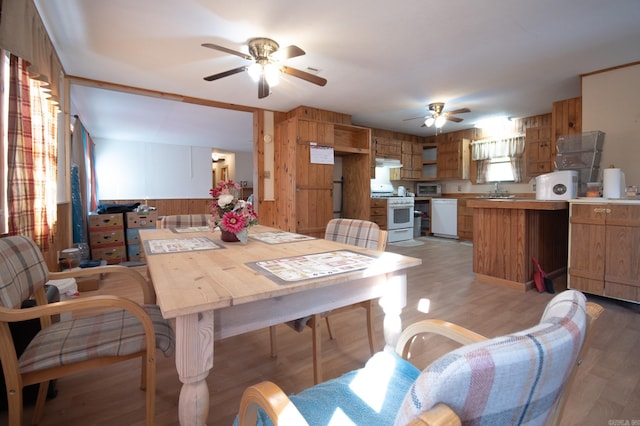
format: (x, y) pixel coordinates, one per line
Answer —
(183, 220)
(361, 233)
(23, 270)
(514, 379)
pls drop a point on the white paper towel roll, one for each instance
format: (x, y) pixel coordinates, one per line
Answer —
(613, 183)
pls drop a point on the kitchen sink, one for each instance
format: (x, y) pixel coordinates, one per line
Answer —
(499, 197)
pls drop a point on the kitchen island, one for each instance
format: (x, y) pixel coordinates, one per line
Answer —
(508, 232)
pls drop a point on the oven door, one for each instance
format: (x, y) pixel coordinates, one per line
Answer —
(399, 217)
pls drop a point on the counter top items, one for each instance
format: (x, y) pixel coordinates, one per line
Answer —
(613, 183)
(558, 185)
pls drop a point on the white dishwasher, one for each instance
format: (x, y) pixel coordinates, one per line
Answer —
(444, 217)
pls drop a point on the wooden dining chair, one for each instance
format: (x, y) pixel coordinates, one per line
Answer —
(520, 378)
(360, 233)
(183, 220)
(116, 329)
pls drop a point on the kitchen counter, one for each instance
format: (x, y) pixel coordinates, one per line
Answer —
(507, 232)
(517, 203)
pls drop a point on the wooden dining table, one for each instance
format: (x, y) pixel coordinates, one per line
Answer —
(214, 290)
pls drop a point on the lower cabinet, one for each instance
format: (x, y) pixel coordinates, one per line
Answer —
(604, 249)
(379, 212)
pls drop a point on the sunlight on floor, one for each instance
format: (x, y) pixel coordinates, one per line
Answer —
(424, 305)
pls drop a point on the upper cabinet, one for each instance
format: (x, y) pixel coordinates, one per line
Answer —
(411, 159)
(538, 151)
(453, 158)
(387, 148)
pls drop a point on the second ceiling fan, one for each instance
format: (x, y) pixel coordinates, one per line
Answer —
(266, 56)
(438, 117)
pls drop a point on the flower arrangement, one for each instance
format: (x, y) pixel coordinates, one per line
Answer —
(229, 212)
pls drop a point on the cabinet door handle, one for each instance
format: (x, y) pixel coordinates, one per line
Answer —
(601, 210)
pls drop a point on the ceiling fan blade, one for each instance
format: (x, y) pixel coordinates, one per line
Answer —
(454, 119)
(304, 75)
(415, 118)
(459, 111)
(226, 73)
(227, 50)
(263, 87)
(288, 52)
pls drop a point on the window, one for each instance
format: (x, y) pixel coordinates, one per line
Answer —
(500, 170)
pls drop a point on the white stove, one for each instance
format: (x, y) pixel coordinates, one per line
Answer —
(399, 212)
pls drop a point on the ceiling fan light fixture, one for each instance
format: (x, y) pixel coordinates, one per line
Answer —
(254, 70)
(429, 121)
(271, 73)
(440, 120)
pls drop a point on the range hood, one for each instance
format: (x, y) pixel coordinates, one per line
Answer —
(391, 163)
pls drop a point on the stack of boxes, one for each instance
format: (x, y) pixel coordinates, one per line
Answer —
(135, 222)
(106, 238)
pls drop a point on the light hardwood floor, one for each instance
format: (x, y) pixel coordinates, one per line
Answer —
(607, 390)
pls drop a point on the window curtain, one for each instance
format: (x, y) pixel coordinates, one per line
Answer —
(24, 35)
(31, 157)
(511, 147)
(84, 186)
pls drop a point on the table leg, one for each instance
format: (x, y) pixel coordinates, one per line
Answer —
(394, 299)
(194, 359)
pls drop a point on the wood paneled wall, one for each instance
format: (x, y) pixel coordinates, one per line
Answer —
(172, 206)
(319, 115)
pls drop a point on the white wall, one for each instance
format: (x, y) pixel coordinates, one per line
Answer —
(611, 103)
(140, 170)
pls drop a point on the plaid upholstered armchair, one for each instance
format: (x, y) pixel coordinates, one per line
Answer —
(355, 232)
(123, 330)
(516, 379)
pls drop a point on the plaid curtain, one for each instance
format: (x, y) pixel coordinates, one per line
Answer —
(31, 158)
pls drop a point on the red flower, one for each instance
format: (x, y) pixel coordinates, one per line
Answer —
(233, 222)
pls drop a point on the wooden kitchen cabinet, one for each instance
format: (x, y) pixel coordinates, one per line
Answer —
(304, 191)
(604, 250)
(539, 151)
(411, 159)
(387, 148)
(465, 220)
(379, 212)
(453, 159)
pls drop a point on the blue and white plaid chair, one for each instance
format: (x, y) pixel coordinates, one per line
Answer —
(518, 379)
(124, 330)
(355, 232)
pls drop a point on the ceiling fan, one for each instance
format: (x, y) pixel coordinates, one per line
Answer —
(266, 67)
(438, 117)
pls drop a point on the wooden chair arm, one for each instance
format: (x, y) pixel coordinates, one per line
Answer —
(149, 295)
(275, 403)
(83, 303)
(439, 327)
(440, 415)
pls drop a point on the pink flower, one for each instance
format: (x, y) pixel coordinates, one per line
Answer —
(233, 222)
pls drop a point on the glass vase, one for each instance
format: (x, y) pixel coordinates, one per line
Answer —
(229, 237)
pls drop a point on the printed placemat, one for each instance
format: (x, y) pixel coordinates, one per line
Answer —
(189, 229)
(178, 245)
(279, 237)
(292, 269)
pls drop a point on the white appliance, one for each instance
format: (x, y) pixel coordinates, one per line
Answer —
(444, 217)
(399, 212)
(428, 189)
(558, 185)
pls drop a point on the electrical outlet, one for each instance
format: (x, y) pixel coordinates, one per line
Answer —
(459, 188)
(267, 174)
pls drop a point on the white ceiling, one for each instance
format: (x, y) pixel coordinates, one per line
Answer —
(384, 60)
